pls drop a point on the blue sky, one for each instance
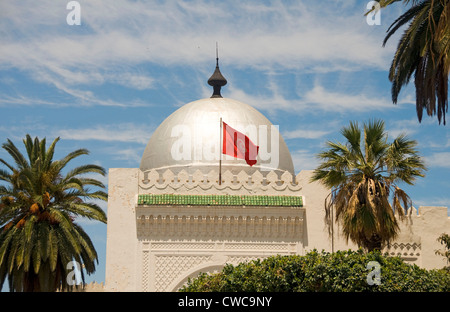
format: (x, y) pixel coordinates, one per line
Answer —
(105, 85)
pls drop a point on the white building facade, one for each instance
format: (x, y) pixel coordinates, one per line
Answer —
(173, 217)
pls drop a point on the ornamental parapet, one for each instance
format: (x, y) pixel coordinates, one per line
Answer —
(157, 181)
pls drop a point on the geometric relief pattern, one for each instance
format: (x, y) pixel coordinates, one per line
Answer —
(235, 260)
(259, 247)
(218, 226)
(222, 246)
(145, 270)
(182, 246)
(168, 268)
(404, 249)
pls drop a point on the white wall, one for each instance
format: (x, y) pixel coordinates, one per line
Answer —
(138, 259)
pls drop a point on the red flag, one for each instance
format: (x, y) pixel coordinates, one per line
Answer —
(238, 145)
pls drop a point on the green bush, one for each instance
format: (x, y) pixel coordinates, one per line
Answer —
(342, 271)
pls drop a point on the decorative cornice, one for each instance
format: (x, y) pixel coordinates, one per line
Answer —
(219, 222)
(156, 182)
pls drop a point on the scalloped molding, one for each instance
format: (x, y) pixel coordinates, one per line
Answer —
(156, 182)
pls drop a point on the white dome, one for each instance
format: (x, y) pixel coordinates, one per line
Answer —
(189, 139)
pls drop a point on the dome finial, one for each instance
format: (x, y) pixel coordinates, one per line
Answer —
(217, 54)
(217, 81)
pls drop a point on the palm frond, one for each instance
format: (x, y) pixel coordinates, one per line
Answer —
(423, 51)
(17, 156)
(38, 237)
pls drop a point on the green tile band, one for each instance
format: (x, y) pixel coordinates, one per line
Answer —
(220, 200)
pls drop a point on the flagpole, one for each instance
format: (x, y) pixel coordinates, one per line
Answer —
(220, 156)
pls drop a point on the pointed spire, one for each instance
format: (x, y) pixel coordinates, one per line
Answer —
(217, 81)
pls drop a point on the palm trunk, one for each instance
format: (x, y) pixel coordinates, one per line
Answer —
(374, 243)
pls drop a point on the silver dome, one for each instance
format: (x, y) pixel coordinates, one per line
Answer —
(189, 139)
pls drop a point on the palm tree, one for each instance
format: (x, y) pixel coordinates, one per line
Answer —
(363, 175)
(39, 205)
(423, 50)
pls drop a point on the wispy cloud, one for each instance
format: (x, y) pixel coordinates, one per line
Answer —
(25, 100)
(134, 81)
(183, 33)
(337, 101)
(440, 159)
(130, 133)
(304, 160)
(304, 134)
(131, 155)
(118, 40)
(172, 32)
(408, 127)
(317, 98)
